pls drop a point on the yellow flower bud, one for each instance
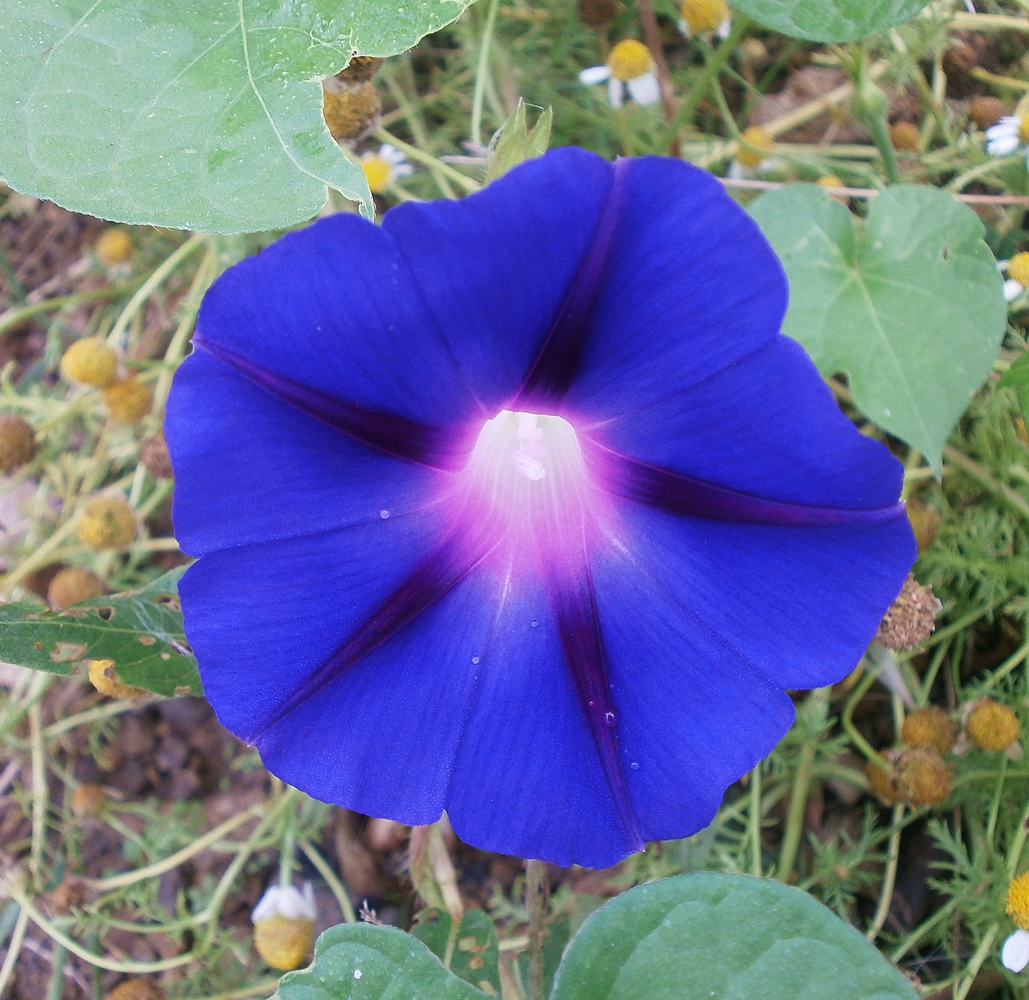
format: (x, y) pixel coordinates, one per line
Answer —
(91, 362)
(88, 801)
(73, 584)
(929, 727)
(17, 442)
(113, 246)
(1018, 901)
(107, 523)
(761, 142)
(991, 725)
(128, 400)
(1018, 268)
(284, 926)
(137, 988)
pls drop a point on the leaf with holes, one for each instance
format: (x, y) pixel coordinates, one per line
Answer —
(830, 20)
(141, 632)
(728, 936)
(366, 962)
(908, 304)
(199, 116)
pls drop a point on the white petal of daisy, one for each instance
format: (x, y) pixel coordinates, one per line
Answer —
(391, 154)
(595, 74)
(1014, 953)
(615, 92)
(286, 901)
(1012, 289)
(644, 89)
(724, 28)
(1003, 138)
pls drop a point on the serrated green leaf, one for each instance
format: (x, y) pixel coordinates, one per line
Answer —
(475, 957)
(734, 937)
(908, 304)
(141, 632)
(829, 20)
(365, 962)
(187, 114)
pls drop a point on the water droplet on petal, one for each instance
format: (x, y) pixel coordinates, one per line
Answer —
(534, 623)
(591, 704)
(609, 718)
(384, 514)
(635, 765)
(475, 659)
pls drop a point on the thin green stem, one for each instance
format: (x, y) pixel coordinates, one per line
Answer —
(536, 893)
(890, 875)
(481, 71)
(335, 885)
(754, 821)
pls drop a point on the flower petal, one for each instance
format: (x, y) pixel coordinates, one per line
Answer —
(1014, 953)
(238, 448)
(799, 605)
(594, 74)
(644, 89)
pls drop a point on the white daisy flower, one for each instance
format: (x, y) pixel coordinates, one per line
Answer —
(383, 167)
(702, 17)
(1014, 953)
(630, 67)
(1008, 135)
(1017, 270)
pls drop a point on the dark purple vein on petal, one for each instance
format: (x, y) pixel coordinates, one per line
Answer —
(679, 494)
(557, 362)
(387, 432)
(575, 608)
(432, 579)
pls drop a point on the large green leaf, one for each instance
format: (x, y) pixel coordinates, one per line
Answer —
(730, 937)
(909, 304)
(475, 956)
(830, 20)
(365, 962)
(198, 114)
(141, 632)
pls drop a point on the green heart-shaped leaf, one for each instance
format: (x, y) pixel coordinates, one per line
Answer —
(830, 20)
(730, 937)
(365, 962)
(909, 304)
(194, 115)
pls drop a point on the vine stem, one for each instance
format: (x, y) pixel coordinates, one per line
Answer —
(537, 890)
(890, 879)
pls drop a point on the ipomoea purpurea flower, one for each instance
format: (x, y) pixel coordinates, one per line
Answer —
(521, 507)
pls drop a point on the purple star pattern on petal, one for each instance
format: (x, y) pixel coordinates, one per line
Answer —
(522, 507)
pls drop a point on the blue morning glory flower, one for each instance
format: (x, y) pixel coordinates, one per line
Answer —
(522, 507)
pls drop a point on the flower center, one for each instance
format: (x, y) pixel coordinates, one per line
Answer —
(761, 141)
(1023, 128)
(1018, 268)
(704, 15)
(630, 59)
(526, 484)
(378, 172)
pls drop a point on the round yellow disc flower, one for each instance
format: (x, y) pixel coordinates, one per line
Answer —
(91, 362)
(991, 725)
(701, 17)
(284, 925)
(1018, 901)
(107, 523)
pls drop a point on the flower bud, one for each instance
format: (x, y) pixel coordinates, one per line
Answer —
(128, 400)
(1018, 901)
(929, 727)
(137, 988)
(88, 801)
(762, 142)
(911, 618)
(991, 726)
(986, 111)
(905, 137)
(284, 925)
(350, 112)
(113, 247)
(73, 584)
(17, 442)
(360, 69)
(91, 362)
(155, 458)
(915, 775)
(107, 523)
(103, 677)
